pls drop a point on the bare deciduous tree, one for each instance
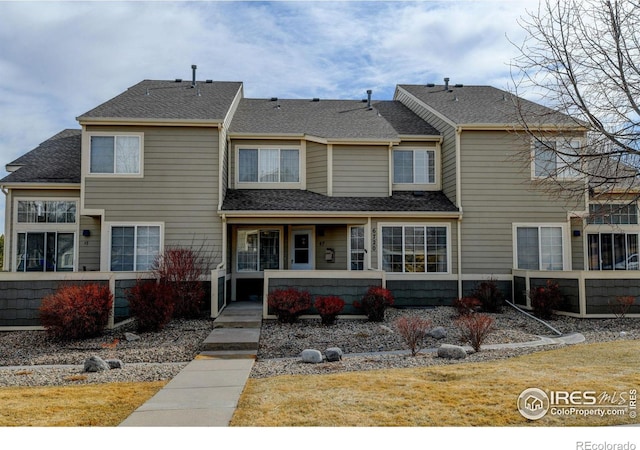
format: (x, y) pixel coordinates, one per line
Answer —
(583, 58)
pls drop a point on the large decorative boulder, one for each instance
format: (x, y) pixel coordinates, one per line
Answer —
(438, 333)
(95, 364)
(333, 354)
(449, 351)
(311, 355)
(115, 363)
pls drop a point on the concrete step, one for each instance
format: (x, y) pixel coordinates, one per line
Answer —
(232, 339)
(228, 354)
(237, 321)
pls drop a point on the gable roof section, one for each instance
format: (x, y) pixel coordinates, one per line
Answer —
(56, 160)
(485, 106)
(168, 100)
(333, 120)
(273, 200)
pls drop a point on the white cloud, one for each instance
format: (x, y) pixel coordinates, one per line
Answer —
(61, 59)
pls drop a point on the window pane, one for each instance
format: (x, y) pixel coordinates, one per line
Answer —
(247, 252)
(269, 170)
(403, 166)
(21, 252)
(528, 251)
(289, 166)
(568, 159)
(545, 159)
(594, 251)
(551, 248)
(102, 157)
(414, 249)
(392, 249)
(269, 250)
(247, 165)
(147, 246)
(357, 248)
(421, 161)
(606, 251)
(64, 252)
(632, 251)
(436, 249)
(127, 154)
(122, 248)
(35, 252)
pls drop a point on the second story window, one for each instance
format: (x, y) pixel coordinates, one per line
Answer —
(414, 167)
(610, 213)
(556, 158)
(118, 155)
(268, 165)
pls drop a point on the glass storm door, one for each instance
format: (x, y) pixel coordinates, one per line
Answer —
(302, 250)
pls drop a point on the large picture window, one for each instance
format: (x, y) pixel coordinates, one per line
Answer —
(609, 213)
(134, 247)
(414, 167)
(539, 248)
(258, 250)
(613, 251)
(45, 252)
(556, 158)
(415, 249)
(46, 211)
(268, 165)
(115, 155)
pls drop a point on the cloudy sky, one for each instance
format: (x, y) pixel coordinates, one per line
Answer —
(60, 59)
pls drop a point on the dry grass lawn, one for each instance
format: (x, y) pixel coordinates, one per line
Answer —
(467, 394)
(101, 405)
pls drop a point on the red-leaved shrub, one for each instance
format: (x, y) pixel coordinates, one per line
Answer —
(329, 307)
(150, 304)
(466, 305)
(545, 300)
(288, 304)
(375, 302)
(76, 311)
(620, 305)
(413, 330)
(475, 328)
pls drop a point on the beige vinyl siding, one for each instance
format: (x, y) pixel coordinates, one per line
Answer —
(317, 168)
(89, 247)
(179, 187)
(360, 171)
(496, 192)
(448, 156)
(336, 239)
(577, 244)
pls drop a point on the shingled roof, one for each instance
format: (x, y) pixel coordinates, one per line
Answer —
(484, 105)
(56, 160)
(299, 200)
(169, 100)
(328, 119)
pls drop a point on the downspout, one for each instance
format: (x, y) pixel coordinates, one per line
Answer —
(224, 243)
(390, 177)
(459, 205)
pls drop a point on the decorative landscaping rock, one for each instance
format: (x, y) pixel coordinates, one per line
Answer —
(95, 364)
(311, 356)
(130, 337)
(438, 333)
(115, 363)
(449, 351)
(333, 354)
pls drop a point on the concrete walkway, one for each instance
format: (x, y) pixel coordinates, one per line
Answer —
(206, 392)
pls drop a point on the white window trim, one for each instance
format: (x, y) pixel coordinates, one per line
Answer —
(86, 154)
(435, 186)
(259, 228)
(39, 227)
(414, 224)
(300, 184)
(105, 258)
(566, 243)
(616, 226)
(559, 163)
(365, 265)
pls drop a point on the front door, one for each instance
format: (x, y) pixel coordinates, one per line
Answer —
(302, 250)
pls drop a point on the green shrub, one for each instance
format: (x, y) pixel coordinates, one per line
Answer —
(150, 304)
(375, 302)
(329, 307)
(76, 311)
(288, 304)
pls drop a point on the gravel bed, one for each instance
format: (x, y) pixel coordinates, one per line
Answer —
(29, 358)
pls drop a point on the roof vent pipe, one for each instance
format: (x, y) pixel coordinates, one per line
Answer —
(193, 79)
(369, 92)
(446, 84)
